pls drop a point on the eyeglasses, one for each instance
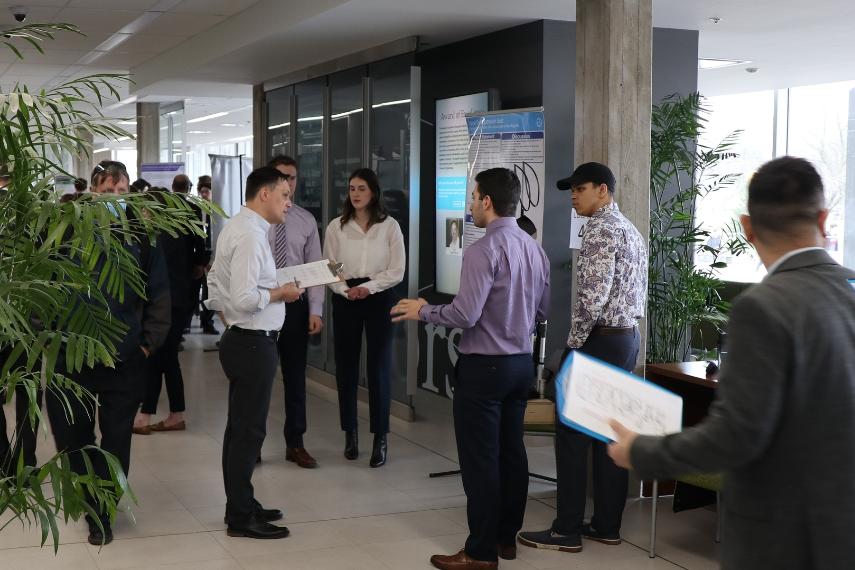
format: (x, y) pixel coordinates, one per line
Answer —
(289, 177)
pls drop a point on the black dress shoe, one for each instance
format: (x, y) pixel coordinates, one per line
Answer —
(255, 528)
(262, 514)
(351, 445)
(98, 537)
(378, 454)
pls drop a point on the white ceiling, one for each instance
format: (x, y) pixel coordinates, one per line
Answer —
(213, 50)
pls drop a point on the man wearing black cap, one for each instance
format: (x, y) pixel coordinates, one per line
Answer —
(612, 288)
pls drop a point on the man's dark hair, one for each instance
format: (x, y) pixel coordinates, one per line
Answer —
(785, 195)
(80, 185)
(282, 160)
(181, 183)
(203, 182)
(503, 188)
(140, 185)
(376, 207)
(266, 176)
(526, 225)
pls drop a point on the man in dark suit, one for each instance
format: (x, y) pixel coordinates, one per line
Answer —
(783, 427)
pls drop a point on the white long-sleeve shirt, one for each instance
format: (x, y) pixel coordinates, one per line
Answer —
(377, 254)
(243, 274)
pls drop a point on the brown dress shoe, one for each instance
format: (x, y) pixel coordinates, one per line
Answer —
(160, 426)
(507, 551)
(460, 561)
(301, 457)
(142, 430)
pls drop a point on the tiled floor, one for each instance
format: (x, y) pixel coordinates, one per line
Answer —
(343, 515)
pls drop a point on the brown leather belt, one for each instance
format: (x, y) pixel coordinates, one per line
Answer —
(612, 331)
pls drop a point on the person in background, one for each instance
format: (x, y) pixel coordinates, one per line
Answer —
(612, 289)
(206, 316)
(164, 366)
(370, 245)
(181, 185)
(294, 243)
(782, 426)
(118, 389)
(504, 290)
(80, 185)
(140, 185)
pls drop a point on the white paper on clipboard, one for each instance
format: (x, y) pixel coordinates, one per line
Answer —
(312, 274)
(590, 392)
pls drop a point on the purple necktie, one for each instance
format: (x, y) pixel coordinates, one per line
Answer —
(280, 249)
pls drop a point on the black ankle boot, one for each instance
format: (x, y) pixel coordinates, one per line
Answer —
(378, 455)
(351, 445)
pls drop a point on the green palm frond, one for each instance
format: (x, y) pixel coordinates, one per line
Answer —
(59, 265)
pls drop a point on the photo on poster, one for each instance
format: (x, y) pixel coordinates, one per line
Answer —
(454, 236)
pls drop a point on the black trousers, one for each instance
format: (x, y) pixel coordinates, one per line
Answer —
(206, 316)
(293, 343)
(163, 366)
(25, 437)
(119, 391)
(489, 404)
(350, 318)
(249, 363)
(571, 455)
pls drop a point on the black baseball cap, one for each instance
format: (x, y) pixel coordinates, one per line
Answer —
(588, 172)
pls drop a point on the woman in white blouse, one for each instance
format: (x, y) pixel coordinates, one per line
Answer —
(370, 244)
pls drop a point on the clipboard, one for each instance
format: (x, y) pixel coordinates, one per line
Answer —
(313, 274)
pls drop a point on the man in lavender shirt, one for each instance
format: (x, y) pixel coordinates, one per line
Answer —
(504, 289)
(295, 242)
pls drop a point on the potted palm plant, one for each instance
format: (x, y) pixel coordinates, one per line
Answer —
(682, 293)
(53, 312)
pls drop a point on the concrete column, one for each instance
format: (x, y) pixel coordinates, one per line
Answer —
(259, 126)
(148, 134)
(614, 75)
(82, 162)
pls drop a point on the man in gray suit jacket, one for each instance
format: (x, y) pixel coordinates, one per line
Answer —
(783, 427)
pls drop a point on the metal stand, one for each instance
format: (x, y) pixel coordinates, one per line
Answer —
(539, 342)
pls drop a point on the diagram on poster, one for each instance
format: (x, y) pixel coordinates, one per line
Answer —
(514, 140)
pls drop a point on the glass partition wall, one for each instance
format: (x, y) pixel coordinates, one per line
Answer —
(333, 125)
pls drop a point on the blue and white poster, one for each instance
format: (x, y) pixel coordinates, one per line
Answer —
(514, 140)
(452, 142)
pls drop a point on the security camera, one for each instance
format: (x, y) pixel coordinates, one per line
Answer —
(19, 12)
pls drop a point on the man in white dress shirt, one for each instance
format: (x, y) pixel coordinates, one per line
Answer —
(242, 285)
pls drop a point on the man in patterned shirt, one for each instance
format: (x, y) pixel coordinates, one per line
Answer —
(612, 288)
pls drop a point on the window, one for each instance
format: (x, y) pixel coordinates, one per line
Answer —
(810, 122)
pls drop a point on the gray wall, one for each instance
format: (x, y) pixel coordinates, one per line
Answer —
(675, 70)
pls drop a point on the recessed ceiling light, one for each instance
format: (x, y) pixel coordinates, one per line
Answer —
(127, 122)
(716, 63)
(207, 117)
(230, 125)
(199, 132)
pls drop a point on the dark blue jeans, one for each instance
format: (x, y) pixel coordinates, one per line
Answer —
(571, 455)
(490, 396)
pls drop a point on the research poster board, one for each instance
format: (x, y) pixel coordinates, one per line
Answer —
(512, 139)
(452, 142)
(160, 175)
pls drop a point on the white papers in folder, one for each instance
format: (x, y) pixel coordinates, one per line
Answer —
(590, 392)
(310, 274)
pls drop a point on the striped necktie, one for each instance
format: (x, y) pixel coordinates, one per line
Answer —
(280, 249)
